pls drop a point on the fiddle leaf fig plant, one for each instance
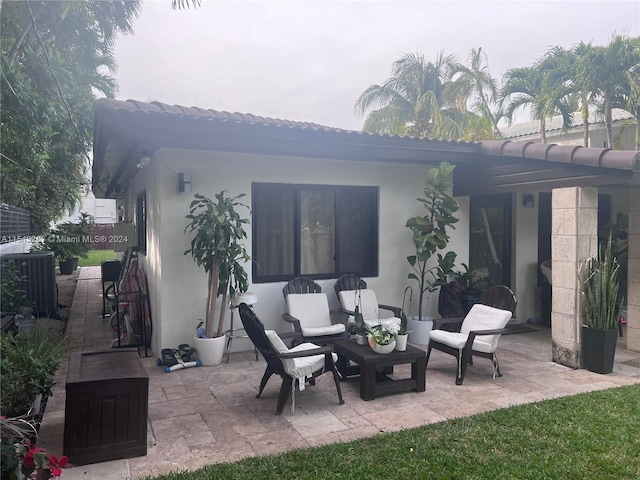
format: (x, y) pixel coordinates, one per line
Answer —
(430, 232)
(217, 247)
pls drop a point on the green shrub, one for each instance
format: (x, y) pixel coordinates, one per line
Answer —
(28, 364)
(12, 297)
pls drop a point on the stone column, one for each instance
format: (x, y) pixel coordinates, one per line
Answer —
(633, 286)
(574, 223)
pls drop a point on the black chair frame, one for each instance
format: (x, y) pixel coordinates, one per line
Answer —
(255, 330)
(464, 357)
(301, 285)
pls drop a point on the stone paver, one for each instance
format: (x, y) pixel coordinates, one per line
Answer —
(204, 415)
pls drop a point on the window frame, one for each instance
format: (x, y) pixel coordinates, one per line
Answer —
(141, 222)
(373, 203)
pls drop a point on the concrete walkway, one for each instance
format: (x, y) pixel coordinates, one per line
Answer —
(204, 415)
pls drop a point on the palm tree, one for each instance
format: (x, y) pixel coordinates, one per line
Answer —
(180, 4)
(610, 67)
(411, 100)
(474, 82)
(633, 101)
(531, 86)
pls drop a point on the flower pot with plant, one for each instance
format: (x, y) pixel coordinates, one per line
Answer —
(68, 241)
(382, 337)
(472, 287)
(429, 234)
(216, 246)
(600, 287)
(358, 327)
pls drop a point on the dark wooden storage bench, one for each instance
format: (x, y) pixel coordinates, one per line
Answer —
(106, 406)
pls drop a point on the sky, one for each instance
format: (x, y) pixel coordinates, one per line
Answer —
(310, 60)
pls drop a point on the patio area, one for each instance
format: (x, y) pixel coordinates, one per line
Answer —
(204, 415)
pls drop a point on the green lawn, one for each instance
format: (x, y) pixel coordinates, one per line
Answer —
(95, 257)
(593, 435)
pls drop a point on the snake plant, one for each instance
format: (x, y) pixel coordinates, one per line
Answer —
(600, 285)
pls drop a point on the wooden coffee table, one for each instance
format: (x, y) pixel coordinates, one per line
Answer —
(372, 382)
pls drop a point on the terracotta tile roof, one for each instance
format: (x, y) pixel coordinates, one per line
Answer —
(577, 155)
(158, 108)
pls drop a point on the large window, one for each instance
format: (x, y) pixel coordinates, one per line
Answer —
(313, 230)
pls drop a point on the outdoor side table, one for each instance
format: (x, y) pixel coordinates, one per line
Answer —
(371, 363)
(106, 406)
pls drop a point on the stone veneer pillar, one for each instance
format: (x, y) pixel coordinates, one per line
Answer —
(574, 223)
(633, 278)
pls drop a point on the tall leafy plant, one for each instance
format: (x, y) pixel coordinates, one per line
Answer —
(430, 232)
(600, 285)
(217, 247)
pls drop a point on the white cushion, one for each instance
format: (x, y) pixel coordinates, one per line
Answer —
(458, 340)
(368, 303)
(298, 367)
(335, 329)
(480, 317)
(276, 341)
(312, 309)
(484, 317)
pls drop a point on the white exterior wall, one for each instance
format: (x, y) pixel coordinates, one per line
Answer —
(103, 210)
(178, 287)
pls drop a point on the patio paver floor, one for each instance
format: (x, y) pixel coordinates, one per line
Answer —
(206, 415)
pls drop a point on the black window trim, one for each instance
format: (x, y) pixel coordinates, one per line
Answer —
(297, 187)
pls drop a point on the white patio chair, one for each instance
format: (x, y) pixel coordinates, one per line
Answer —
(309, 313)
(479, 334)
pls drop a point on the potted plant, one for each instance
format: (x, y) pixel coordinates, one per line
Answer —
(382, 337)
(68, 241)
(217, 248)
(358, 327)
(472, 286)
(403, 333)
(600, 286)
(429, 234)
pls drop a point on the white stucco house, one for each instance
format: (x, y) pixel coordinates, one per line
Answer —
(294, 173)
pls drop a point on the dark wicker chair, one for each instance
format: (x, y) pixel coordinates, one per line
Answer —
(308, 312)
(279, 360)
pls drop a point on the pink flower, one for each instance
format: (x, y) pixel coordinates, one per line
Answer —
(56, 465)
(29, 458)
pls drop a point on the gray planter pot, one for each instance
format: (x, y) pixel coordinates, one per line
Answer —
(599, 349)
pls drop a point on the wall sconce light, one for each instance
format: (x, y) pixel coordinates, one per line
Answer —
(528, 200)
(143, 162)
(184, 182)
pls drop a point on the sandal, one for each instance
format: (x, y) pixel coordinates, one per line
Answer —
(187, 352)
(168, 360)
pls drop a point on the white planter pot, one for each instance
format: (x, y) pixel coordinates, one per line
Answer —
(361, 339)
(382, 349)
(401, 342)
(420, 330)
(210, 350)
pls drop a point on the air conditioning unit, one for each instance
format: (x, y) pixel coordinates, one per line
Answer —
(39, 272)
